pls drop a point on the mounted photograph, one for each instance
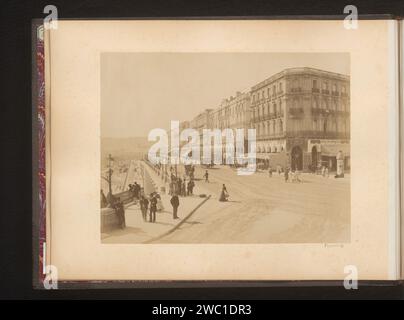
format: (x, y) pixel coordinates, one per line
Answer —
(225, 148)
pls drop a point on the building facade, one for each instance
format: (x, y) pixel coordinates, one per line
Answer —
(302, 119)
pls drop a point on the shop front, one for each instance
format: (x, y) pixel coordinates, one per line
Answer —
(333, 154)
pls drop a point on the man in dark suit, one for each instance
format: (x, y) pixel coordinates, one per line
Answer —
(144, 206)
(153, 208)
(175, 202)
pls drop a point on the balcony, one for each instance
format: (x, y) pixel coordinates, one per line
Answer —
(335, 93)
(266, 116)
(296, 90)
(320, 111)
(276, 135)
(296, 112)
(324, 112)
(325, 91)
(319, 134)
(315, 90)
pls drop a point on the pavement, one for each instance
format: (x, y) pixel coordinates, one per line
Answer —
(139, 231)
(261, 209)
(269, 210)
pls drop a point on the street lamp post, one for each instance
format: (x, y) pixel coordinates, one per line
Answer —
(109, 179)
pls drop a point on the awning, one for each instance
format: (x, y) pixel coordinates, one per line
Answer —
(331, 150)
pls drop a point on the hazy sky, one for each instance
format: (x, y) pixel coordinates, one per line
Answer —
(142, 91)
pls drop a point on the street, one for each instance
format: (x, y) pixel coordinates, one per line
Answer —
(268, 210)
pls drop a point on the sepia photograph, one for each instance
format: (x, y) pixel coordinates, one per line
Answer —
(225, 148)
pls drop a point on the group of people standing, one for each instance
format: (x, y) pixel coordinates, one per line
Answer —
(288, 174)
(181, 187)
(149, 213)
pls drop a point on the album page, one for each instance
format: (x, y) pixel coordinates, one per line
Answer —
(223, 150)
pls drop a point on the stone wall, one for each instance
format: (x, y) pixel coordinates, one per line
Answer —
(109, 220)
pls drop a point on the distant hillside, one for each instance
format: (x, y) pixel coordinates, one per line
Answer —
(124, 148)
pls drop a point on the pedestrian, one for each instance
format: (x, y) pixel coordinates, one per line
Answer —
(183, 189)
(160, 207)
(136, 190)
(327, 174)
(175, 202)
(224, 194)
(192, 173)
(144, 206)
(191, 185)
(323, 171)
(153, 208)
(286, 174)
(270, 171)
(120, 212)
(206, 175)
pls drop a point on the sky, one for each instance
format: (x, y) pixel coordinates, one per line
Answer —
(142, 91)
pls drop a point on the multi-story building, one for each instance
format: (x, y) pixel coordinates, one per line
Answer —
(302, 118)
(201, 121)
(239, 111)
(233, 113)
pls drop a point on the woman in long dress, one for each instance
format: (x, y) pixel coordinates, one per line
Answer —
(224, 194)
(160, 206)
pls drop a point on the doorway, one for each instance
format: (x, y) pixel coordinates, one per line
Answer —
(297, 158)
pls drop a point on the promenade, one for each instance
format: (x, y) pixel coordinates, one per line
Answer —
(139, 231)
